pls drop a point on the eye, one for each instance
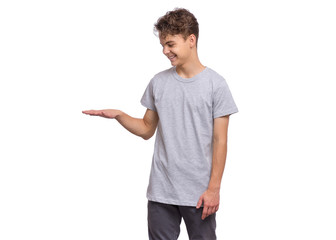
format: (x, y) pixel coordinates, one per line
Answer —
(170, 45)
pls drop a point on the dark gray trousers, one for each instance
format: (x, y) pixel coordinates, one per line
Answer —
(164, 222)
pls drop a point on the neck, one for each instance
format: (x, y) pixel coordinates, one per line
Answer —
(190, 68)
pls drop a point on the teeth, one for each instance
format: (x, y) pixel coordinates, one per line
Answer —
(172, 57)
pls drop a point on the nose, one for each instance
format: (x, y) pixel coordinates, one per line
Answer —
(165, 50)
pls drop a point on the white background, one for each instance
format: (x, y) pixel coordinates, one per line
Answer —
(65, 175)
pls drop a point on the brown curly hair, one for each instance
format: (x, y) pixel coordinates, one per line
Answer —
(178, 21)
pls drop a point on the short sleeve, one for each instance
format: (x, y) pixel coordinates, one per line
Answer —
(223, 102)
(147, 99)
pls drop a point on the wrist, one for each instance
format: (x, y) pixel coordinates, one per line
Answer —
(213, 189)
(119, 114)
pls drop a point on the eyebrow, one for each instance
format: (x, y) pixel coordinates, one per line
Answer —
(168, 42)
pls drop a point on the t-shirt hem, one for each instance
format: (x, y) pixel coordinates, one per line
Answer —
(171, 201)
(147, 106)
(229, 112)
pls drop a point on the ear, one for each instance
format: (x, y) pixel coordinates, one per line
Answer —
(192, 40)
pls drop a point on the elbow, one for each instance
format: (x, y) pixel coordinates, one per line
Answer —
(148, 131)
(147, 136)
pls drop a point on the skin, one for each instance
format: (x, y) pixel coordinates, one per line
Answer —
(210, 198)
(187, 65)
(186, 61)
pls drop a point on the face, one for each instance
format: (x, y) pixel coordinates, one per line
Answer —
(176, 49)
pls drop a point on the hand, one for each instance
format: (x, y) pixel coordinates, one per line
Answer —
(211, 202)
(106, 113)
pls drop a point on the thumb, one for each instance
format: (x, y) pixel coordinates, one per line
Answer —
(200, 201)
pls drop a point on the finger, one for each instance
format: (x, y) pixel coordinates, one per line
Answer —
(204, 213)
(217, 208)
(94, 112)
(210, 211)
(91, 112)
(213, 210)
(200, 201)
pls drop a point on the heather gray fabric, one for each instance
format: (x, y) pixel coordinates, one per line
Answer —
(164, 222)
(182, 158)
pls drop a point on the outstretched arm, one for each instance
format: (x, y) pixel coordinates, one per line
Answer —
(210, 198)
(143, 127)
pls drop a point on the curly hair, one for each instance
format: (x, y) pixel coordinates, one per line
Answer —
(178, 21)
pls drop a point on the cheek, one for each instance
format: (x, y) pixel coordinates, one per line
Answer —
(176, 51)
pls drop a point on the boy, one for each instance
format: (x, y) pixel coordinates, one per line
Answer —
(190, 104)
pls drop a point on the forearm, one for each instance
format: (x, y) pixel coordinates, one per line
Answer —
(218, 164)
(136, 126)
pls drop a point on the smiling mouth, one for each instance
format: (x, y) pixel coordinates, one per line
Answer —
(172, 57)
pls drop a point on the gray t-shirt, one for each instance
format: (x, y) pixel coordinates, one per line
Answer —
(182, 158)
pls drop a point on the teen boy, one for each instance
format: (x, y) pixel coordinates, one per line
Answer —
(190, 104)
